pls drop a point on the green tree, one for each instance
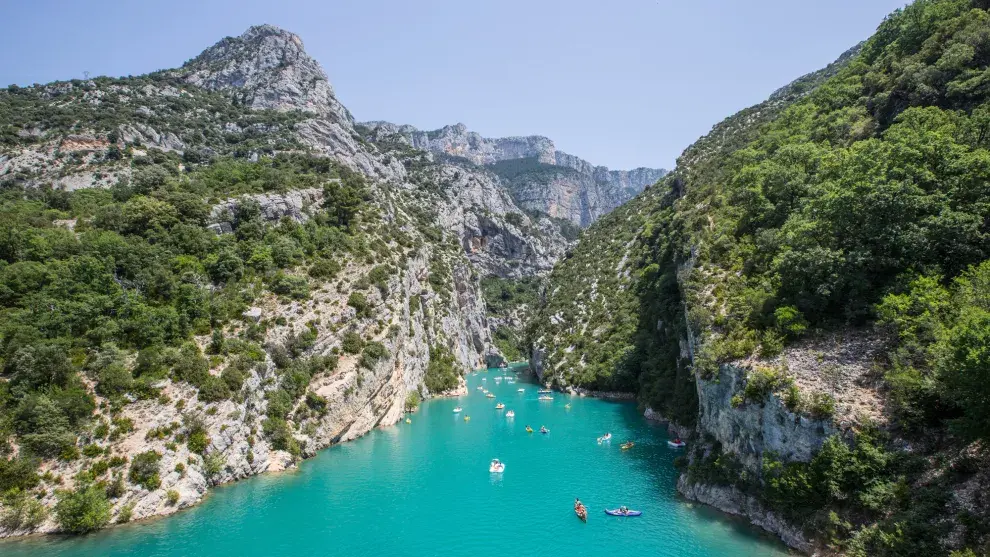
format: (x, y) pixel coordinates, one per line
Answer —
(83, 509)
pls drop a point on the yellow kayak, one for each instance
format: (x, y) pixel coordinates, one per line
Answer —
(529, 429)
(626, 446)
(467, 418)
(408, 421)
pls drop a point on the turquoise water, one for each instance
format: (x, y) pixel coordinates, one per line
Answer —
(424, 489)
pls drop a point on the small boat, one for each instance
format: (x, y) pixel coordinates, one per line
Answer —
(529, 429)
(510, 414)
(543, 391)
(544, 430)
(676, 444)
(581, 511)
(622, 512)
(500, 406)
(458, 410)
(627, 445)
(521, 390)
(545, 397)
(496, 467)
(490, 395)
(605, 438)
(467, 418)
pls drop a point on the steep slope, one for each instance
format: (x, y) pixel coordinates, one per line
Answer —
(207, 273)
(807, 292)
(540, 178)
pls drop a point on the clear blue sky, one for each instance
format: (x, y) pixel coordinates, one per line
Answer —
(623, 83)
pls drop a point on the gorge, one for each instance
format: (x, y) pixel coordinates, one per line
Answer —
(212, 272)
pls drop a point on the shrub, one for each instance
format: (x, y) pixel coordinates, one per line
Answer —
(790, 321)
(18, 473)
(324, 269)
(213, 389)
(172, 497)
(82, 510)
(821, 405)
(763, 381)
(292, 286)
(22, 511)
(771, 344)
(359, 302)
(352, 343)
(412, 400)
(316, 402)
(441, 373)
(124, 516)
(116, 487)
(144, 470)
(214, 463)
(372, 353)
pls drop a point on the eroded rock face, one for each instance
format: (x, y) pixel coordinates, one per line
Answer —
(269, 69)
(555, 183)
(751, 430)
(733, 501)
(457, 141)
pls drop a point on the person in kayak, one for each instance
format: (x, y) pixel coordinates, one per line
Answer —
(624, 509)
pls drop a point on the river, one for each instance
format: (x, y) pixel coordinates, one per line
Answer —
(424, 489)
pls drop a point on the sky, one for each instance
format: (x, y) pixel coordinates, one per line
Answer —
(623, 83)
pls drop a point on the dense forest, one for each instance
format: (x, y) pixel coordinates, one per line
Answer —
(861, 201)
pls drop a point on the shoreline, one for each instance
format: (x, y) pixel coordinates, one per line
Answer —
(292, 467)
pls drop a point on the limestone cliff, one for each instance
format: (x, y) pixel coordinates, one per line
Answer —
(539, 177)
(435, 227)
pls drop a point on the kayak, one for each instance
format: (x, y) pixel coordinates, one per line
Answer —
(496, 467)
(544, 430)
(626, 446)
(457, 410)
(529, 429)
(490, 395)
(604, 438)
(510, 414)
(617, 512)
(499, 406)
(467, 418)
(676, 444)
(581, 513)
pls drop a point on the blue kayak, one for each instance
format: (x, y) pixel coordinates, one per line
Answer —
(617, 512)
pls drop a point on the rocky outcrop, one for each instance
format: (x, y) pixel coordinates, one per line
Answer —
(457, 141)
(546, 180)
(298, 205)
(733, 501)
(268, 68)
(752, 429)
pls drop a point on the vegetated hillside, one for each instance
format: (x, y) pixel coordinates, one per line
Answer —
(845, 226)
(206, 273)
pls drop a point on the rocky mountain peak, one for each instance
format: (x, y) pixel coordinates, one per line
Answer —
(269, 67)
